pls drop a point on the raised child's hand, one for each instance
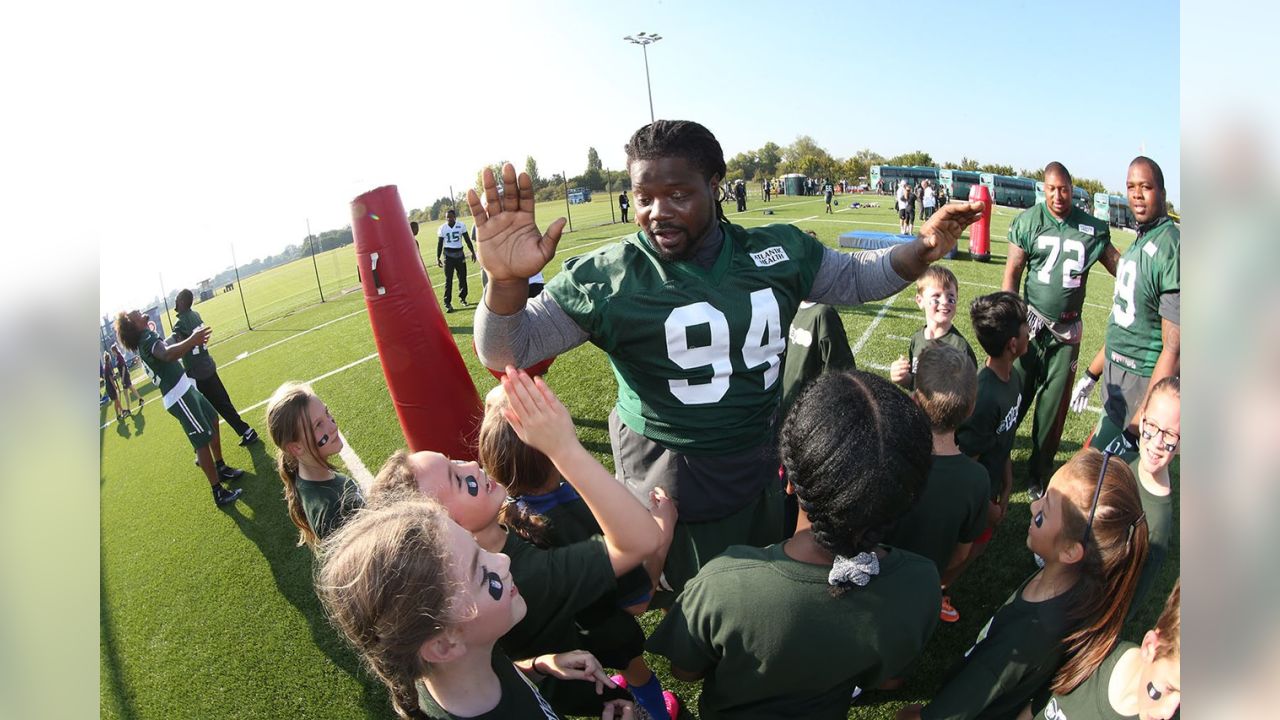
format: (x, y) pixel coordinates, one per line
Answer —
(900, 370)
(537, 415)
(663, 509)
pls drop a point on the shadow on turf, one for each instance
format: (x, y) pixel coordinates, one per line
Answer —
(270, 528)
(112, 674)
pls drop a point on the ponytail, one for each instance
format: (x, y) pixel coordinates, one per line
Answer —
(289, 421)
(523, 521)
(516, 466)
(1115, 549)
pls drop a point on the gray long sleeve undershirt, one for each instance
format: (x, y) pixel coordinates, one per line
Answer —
(543, 329)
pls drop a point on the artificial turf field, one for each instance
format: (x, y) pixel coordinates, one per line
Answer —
(210, 613)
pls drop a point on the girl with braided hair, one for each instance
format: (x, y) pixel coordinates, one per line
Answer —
(318, 497)
(791, 630)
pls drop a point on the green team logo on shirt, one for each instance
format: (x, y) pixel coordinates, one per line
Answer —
(1053, 712)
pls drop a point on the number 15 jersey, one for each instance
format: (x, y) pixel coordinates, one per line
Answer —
(696, 351)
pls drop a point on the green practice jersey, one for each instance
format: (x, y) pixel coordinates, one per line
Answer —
(520, 699)
(1016, 653)
(988, 433)
(1059, 255)
(1091, 698)
(1147, 272)
(696, 351)
(1159, 519)
(556, 584)
(168, 376)
(328, 503)
(774, 643)
(919, 343)
(198, 362)
(952, 509)
(816, 343)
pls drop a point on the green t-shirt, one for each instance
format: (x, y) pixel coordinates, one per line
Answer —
(1159, 519)
(198, 362)
(920, 343)
(773, 642)
(520, 699)
(1059, 255)
(696, 351)
(1091, 699)
(953, 509)
(570, 521)
(816, 343)
(328, 503)
(988, 434)
(1147, 272)
(164, 373)
(556, 583)
(1016, 653)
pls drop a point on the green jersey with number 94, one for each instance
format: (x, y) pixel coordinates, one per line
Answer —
(696, 352)
(1149, 269)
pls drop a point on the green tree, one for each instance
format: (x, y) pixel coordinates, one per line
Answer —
(967, 163)
(742, 165)
(593, 160)
(531, 169)
(1089, 185)
(919, 157)
(996, 169)
(767, 159)
(804, 147)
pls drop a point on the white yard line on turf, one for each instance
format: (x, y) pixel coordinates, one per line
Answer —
(866, 334)
(359, 472)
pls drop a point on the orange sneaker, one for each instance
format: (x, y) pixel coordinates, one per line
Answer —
(948, 614)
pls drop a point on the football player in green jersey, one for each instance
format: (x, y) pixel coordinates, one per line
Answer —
(692, 312)
(1144, 337)
(1056, 243)
(180, 396)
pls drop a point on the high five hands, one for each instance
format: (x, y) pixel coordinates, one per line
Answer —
(507, 240)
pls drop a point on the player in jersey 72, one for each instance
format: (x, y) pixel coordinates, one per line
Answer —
(692, 311)
(1057, 243)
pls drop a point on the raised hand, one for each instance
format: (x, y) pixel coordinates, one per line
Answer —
(943, 229)
(537, 415)
(507, 239)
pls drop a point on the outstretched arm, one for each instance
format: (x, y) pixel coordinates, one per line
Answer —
(511, 248)
(173, 353)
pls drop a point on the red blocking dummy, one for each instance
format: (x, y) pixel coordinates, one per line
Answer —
(980, 230)
(430, 387)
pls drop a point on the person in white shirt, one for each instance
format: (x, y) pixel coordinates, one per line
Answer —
(452, 234)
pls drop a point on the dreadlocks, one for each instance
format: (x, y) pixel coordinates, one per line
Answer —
(683, 139)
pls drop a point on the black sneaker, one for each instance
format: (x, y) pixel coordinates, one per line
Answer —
(196, 461)
(226, 472)
(223, 496)
(448, 308)
(250, 437)
(465, 303)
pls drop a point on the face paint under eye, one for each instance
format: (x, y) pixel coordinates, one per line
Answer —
(473, 487)
(495, 585)
(1152, 692)
(324, 440)
(1039, 519)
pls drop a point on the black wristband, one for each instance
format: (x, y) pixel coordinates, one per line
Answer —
(1092, 377)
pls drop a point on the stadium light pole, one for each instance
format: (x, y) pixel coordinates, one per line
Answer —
(644, 40)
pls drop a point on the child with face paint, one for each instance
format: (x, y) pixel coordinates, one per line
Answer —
(1134, 681)
(558, 583)
(1090, 529)
(548, 512)
(306, 436)
(424, 606)
(791, 630)
(1159, 428)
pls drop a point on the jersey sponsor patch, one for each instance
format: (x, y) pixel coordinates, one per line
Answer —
(1086, 229)
(1149, 249)
(770, 256)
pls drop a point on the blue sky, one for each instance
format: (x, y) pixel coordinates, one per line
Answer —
(244, 120)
